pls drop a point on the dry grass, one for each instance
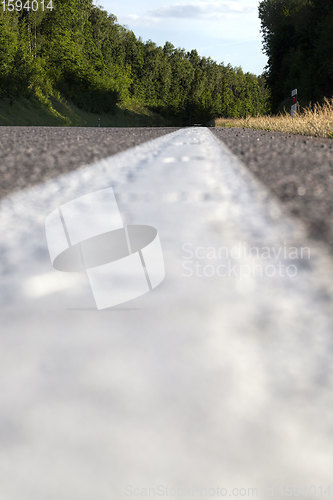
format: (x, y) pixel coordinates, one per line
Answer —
(316, 121)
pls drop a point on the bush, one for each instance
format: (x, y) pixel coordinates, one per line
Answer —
(88, 92)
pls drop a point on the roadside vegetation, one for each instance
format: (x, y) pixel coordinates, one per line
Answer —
(78, 54)
(55, 110)
(298, 40)
(75, 63)
(314, 120)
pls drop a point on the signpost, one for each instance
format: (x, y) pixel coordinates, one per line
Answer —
(294, 103)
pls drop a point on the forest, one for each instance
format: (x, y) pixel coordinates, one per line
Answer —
(81, 52)
(298, 40)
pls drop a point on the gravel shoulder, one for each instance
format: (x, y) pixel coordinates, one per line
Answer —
(30, 155)
(297, 169)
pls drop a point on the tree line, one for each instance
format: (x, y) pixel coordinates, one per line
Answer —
(298, 40)
(81, 51)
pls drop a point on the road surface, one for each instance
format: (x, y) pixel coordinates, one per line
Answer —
(30, 155)
(299, 170)
(218, 383)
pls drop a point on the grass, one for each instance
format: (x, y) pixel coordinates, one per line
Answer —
(56, 111)
(314, 120)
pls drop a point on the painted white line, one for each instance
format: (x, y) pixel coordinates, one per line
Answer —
(219, 378)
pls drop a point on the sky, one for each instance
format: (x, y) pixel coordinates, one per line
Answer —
(228, 31)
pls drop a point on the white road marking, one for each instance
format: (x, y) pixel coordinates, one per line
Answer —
(207, 382)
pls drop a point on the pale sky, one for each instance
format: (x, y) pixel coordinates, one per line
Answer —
(225, 30)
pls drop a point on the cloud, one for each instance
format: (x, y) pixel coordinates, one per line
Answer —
(201, 10)
(139, 20)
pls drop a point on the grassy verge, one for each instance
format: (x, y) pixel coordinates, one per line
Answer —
(56, 111)
(314, 121)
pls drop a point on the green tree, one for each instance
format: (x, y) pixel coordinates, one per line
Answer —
(298, 40)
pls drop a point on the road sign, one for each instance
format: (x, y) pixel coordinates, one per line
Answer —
(294, 103)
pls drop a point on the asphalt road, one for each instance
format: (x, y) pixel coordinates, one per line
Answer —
(298, 170)
(218, 378)
(30, 155)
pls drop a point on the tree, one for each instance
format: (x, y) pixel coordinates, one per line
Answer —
(298, 40)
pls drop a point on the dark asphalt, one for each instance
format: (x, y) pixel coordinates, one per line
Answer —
(297, 169)
(29, 155)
